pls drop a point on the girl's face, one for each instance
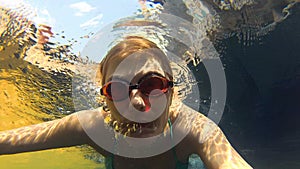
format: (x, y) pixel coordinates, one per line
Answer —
(138, 107)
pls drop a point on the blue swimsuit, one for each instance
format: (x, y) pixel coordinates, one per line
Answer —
(179, 165)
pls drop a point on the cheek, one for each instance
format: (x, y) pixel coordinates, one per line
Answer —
(116, 107)
(161, 103)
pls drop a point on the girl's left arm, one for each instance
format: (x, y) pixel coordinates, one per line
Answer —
(212, 145)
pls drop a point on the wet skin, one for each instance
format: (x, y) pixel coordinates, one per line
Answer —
(218, 148)
(203, 138)
(141, 104)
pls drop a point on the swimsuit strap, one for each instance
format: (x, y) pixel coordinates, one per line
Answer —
(179, 164)
(109, 162)
(171, 128)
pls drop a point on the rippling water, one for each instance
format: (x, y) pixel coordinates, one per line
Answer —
(36, 74)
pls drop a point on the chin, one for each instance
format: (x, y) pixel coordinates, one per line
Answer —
(145, 130)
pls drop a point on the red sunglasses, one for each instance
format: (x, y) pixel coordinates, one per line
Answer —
(149, 85)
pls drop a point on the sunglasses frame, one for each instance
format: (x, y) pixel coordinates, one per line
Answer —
(169, 84)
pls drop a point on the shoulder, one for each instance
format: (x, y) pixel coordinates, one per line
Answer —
(92, 123)
(90, 115)
(90, 118)
(198, 127)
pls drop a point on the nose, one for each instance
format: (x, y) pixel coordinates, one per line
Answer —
(139, 101)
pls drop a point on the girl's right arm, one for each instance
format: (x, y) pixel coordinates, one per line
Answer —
(63, 132)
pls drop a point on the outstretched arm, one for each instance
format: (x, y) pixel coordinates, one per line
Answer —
(212, 145)
(63, 132)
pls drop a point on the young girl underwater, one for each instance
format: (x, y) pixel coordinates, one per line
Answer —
(141, 102)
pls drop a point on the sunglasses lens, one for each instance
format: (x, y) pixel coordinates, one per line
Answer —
(117, 91)
(153, 86)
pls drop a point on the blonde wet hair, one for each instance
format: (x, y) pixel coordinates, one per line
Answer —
(134, 45)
